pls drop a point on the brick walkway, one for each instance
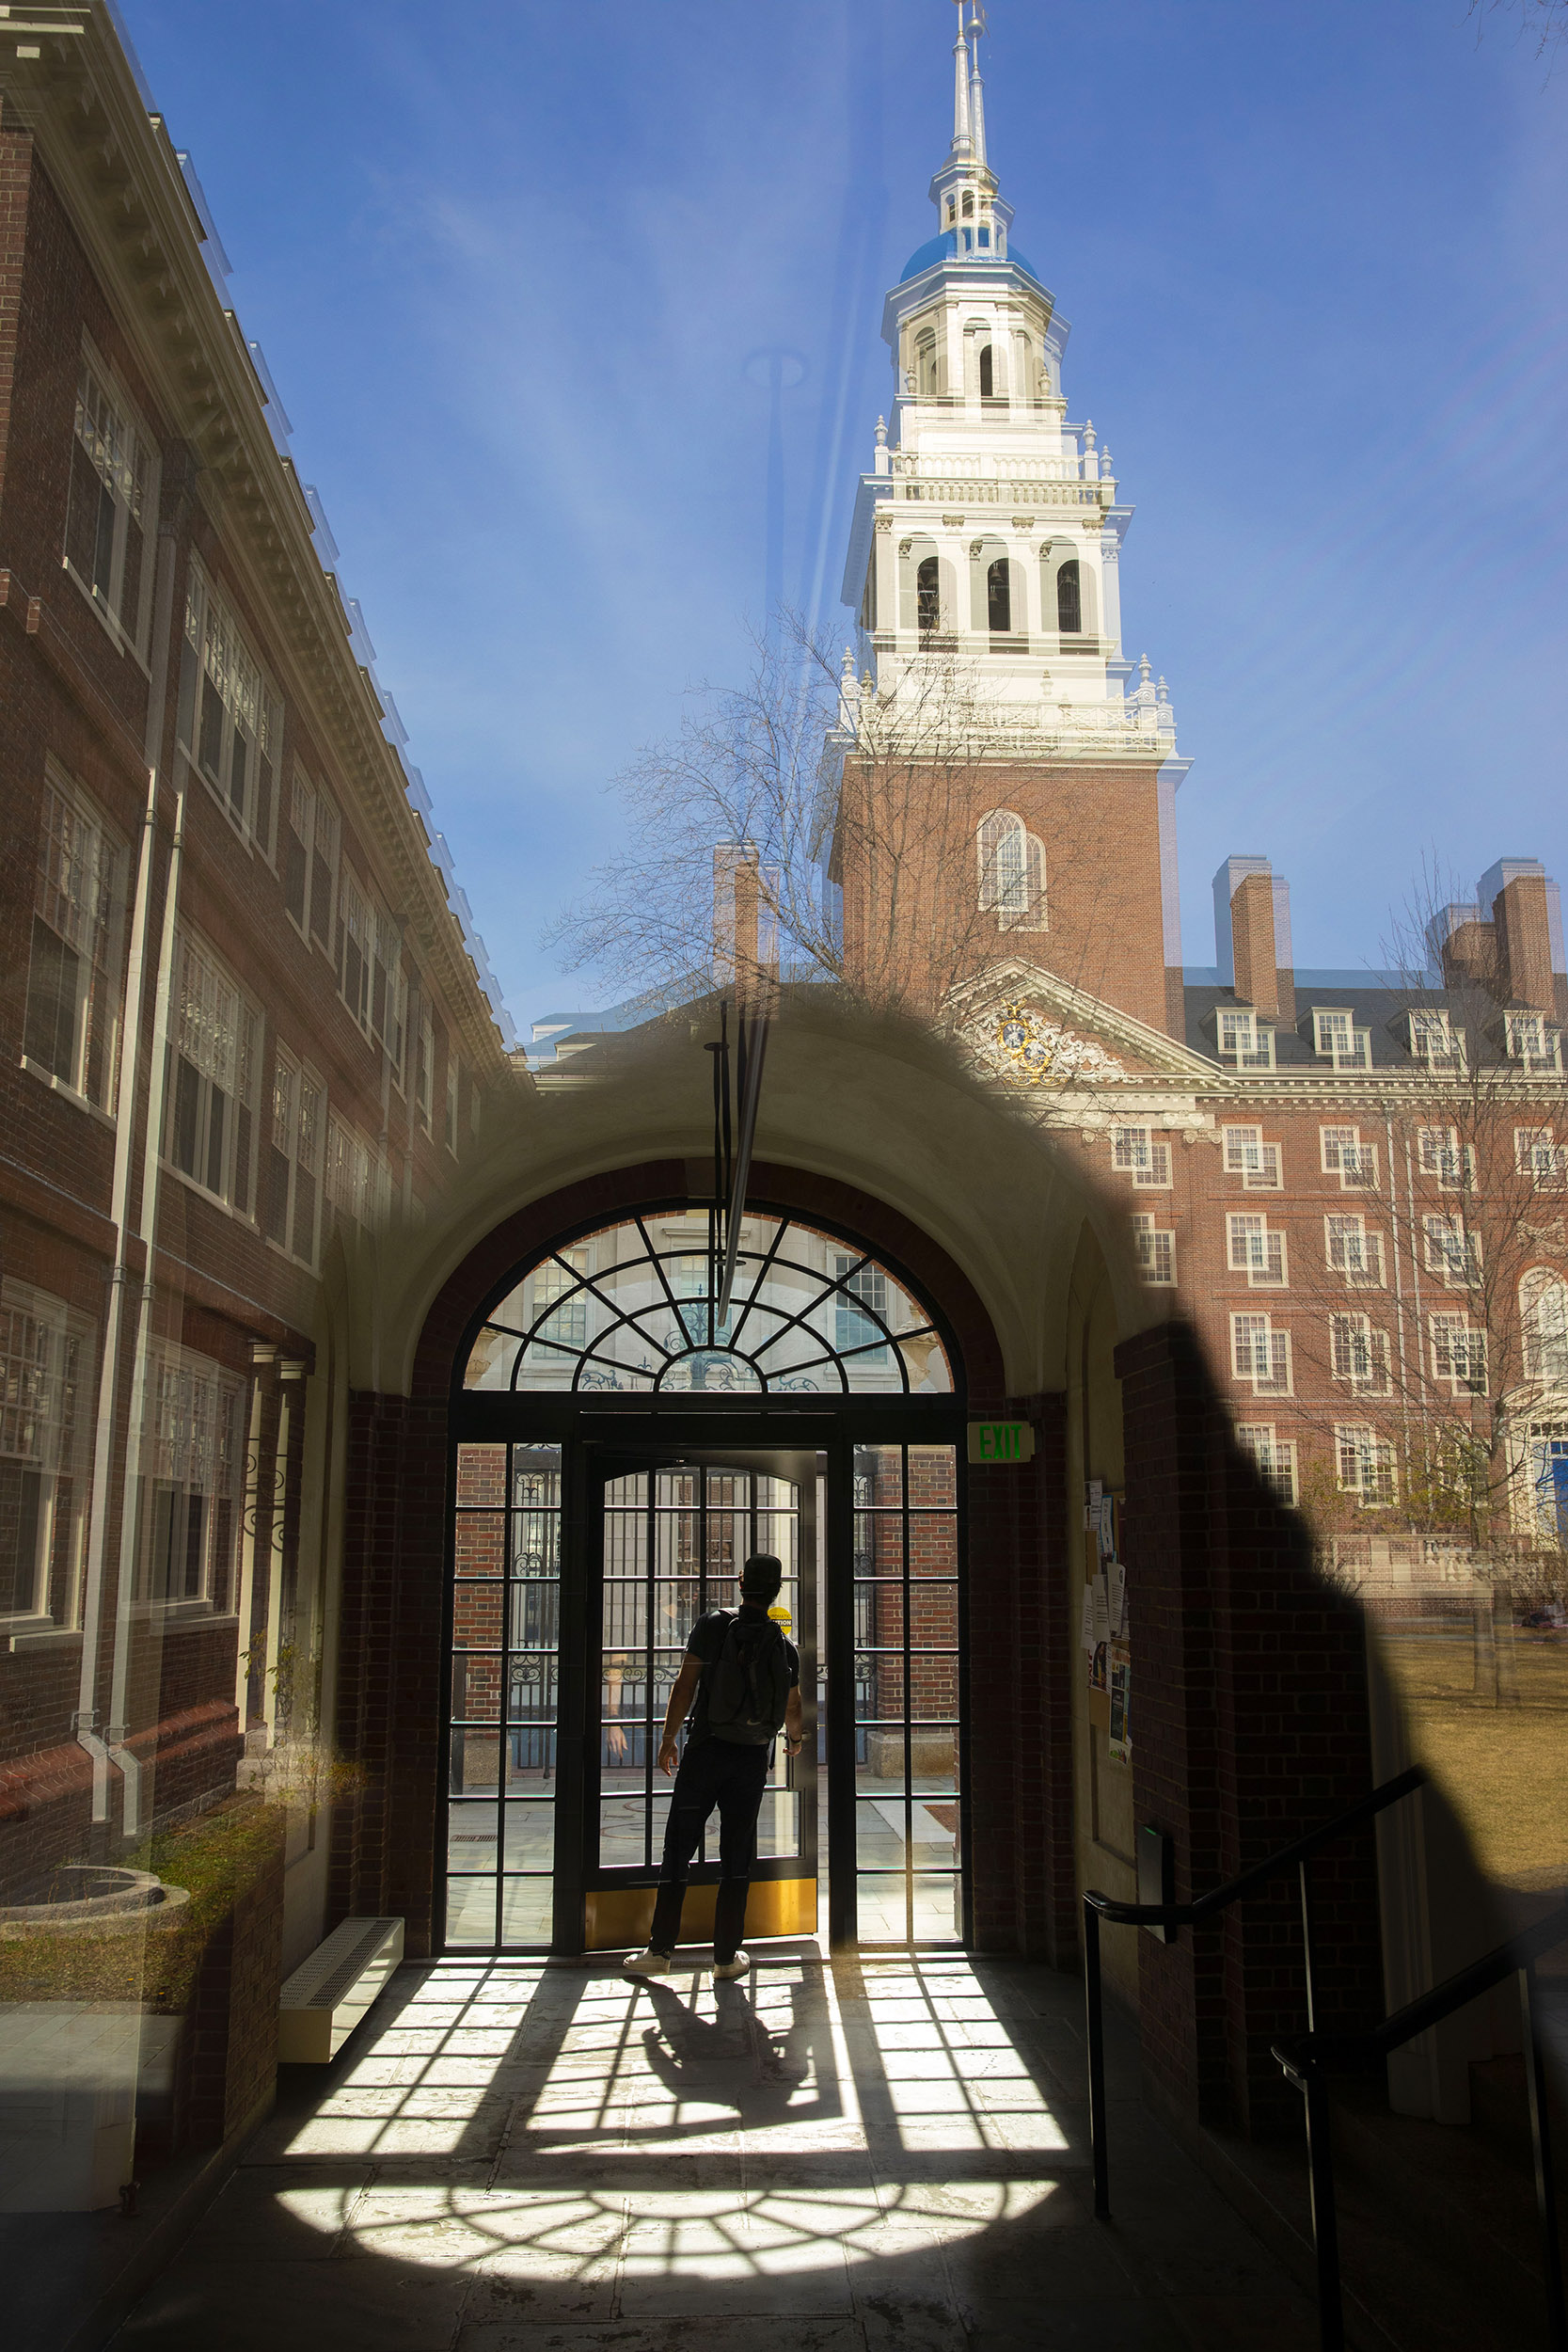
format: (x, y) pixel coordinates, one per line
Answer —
(884, 2153)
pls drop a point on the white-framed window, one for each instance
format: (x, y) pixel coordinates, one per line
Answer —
(210, 1113)
(1450, 1250)
(1274, 1458)
(1254, 1250)
(1547, 1471)
(1156, 1249)
(355, 929)
(448, 1122)
(112, 504)
(71, 1031)
(1358, 1354)
(568, 1325)
(1433, 1040)
(295, 840)
(1243, 1039)
(1537, 1154)
(1345, 1155)
(1135, 1153)
(1261, 1355)
(231, 724)
(1544, 1321)
(1458, 1354)
(359, 1180)
(190, 1494)
(1532, 1041)
(1440, 1155)
(1012, 872)
(424, 1067)
(1254, 1161)
(47, 1361)
(291, 1186)
(853, 1327)
(1335, 1034)
(1365, 1464)
(1352, 1251)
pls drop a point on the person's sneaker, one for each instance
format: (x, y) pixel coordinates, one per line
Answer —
(724, 1969)
(647, 1963)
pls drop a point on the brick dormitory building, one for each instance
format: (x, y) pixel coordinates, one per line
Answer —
(360, 1369)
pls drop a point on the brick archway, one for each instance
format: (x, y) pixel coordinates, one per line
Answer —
(388, 1702)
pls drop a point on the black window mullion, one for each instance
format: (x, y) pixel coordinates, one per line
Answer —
(908, 1735)
(650, 1557)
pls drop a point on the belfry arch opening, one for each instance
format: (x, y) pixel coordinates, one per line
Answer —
(618, 1445)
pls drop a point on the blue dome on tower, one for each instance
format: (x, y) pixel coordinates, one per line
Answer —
(945, 248)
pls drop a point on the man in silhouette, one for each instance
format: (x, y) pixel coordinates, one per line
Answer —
(725, 1764)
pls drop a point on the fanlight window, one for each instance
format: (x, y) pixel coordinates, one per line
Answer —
(1012, 871)
(631, 1307)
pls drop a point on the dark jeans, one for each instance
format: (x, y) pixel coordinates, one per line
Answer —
(714, 1773)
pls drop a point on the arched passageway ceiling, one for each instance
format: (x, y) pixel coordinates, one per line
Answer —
(886, 1108)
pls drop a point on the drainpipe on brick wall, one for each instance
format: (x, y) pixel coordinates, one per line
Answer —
(85, 1722)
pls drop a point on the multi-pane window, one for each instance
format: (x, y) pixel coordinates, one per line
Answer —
(1537, 1154)
(1544, 1317)
(1531, 1041)
(1274, 1458)
(448, 1122)
(1255, 1251)
(1012, 872)
(45, 1357)
(1249, 1157)
(291, 1190)
(209, 1119)
(560, 1279)
(1352, 1251)
(1335, 1034)
(1458, 1354)
(1156, 1249)
(1243, 1039)
(111, 505)
(1346, 1156)
(1433, 1039)
(1450, 1250)
(1547, 1468)
(424, 1068)
(295, 840)
(1441, 1155)
(191, 1488)
(73, 972)
(231, 721)
(1364, 1462)
(356, 930)
(359, 1180)
(1135, 1153)
(1358, 1355)
(860, 1326)
(1261, 1355)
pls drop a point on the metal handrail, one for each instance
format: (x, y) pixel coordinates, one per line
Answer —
(1097, 1906)
(1303, 2056)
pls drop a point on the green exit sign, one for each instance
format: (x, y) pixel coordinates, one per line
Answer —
(1001, 1441)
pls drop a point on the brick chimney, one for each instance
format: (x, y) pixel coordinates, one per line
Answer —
(1252, 944)
(1519, 914)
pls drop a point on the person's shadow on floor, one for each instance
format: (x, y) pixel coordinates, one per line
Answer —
(696, 2056)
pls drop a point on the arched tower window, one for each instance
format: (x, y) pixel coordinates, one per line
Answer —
(988, 371)
(927, 596)
(1070, 599)
(999, 594)
(926, 364)
(968, 203)
(1012, 872)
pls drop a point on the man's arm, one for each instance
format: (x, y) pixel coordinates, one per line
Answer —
(680, 1707)
(794, 1722)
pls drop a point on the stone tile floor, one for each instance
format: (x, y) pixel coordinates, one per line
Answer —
(878, 2153)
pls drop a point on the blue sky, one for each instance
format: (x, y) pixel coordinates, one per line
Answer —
(509, 263)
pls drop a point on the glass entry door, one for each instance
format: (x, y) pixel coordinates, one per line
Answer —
(672, 1538)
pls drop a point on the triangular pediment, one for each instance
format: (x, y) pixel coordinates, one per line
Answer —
(1031, 1027)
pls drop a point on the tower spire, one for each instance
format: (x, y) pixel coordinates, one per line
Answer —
(977, 93)
(960, 87)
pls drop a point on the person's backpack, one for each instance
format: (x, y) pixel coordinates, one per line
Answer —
(749, 1683)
